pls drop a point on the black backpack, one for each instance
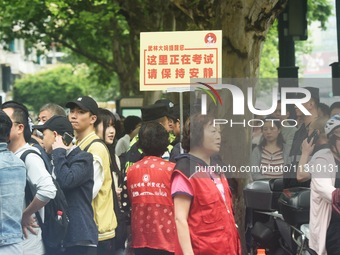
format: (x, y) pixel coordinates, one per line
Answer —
(56, 220)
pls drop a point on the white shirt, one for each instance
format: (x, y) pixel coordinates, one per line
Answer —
(42, 187)
(322, 186)
(123, 145)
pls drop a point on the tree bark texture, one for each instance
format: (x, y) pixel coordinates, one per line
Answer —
(244, 25)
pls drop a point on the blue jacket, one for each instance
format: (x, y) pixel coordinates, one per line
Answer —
(12, 195)
(74, 174)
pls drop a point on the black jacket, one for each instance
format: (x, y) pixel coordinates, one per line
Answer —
(74, 174)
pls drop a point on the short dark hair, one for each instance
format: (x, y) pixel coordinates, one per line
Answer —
(193, 131)
(20, 115)
(130, 123)
(5, 127)
(334, 105)
(153, 138)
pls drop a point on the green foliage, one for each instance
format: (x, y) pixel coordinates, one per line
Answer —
(270, 55)
(105, 34)
(58, 85)
(318, 10)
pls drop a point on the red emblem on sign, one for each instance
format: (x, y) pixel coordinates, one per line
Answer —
(210, 38)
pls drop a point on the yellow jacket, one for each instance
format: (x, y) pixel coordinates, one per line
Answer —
(102, 204)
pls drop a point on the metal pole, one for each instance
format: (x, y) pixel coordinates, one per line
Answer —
(181, 119)
(335, 66)
(337, 12)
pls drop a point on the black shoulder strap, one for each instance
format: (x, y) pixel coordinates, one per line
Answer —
(94, 141)
(28, 191)
(24, 155)
(102, 142)
(26, 152)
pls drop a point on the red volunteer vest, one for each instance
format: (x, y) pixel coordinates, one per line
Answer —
(152, 216)
(211, 220)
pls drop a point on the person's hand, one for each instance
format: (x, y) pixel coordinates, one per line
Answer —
(307, 147)
(28, 223)
(58, 143)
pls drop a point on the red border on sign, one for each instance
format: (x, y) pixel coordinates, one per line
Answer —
(180, 83)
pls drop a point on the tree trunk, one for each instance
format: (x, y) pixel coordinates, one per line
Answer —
(244, 25)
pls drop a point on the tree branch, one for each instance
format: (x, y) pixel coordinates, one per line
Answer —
(105, 64)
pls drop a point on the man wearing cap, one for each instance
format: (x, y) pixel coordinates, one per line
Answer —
(83, 116)
(73, 170)
(300, 135)
(154, 112)
(45, 113)
(12, 193)
(173, 119)
(38, 178)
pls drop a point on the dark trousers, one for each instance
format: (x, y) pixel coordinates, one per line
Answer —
(333, 236)
(106, 247)
(148, 251)
(80, 250)
(73, 250)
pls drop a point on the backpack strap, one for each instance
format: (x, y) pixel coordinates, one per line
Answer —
(28, 191)
(111, 165)
(26, 152)
(94, 141)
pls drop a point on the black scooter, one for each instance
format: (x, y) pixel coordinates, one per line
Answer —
(277, 218)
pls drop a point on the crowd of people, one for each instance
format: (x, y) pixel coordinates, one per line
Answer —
(138, 194)
(143, 191)
(311, 150)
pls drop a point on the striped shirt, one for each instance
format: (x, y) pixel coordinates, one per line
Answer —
(272, 163)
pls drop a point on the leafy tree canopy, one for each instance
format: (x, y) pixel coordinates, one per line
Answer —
(105, 34)
(319, 11)
(59, 85)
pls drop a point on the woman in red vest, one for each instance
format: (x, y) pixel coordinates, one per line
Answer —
(148, 184)
(202, 198)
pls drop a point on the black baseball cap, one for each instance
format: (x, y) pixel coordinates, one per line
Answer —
(154, 112)
(170, 107)
(85, 103)
(60, 124)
